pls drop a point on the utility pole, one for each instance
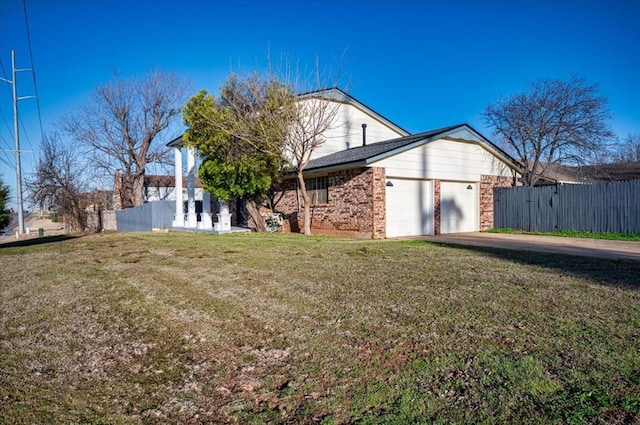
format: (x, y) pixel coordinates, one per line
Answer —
(14, 85)
(17, 139)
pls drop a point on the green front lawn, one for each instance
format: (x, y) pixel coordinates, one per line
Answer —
(177, 327)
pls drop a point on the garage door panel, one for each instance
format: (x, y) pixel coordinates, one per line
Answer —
(409, 208)
(458, 207)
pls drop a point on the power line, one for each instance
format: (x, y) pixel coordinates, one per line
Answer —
(2, 159)
(7, 148)
(26, 134)
(4, 73)
(33, 68)
(5, 122)
(7, 145)
(6, 152)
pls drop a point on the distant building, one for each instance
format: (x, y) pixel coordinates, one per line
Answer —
(155, 188)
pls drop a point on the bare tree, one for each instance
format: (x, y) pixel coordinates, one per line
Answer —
(58, 181)
(555, 122)
(313, 115)
(628, 151)
(124, 124)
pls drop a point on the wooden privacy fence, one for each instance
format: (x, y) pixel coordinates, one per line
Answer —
(596, 207)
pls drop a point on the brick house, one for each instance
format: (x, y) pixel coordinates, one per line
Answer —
(439, 181)
(371, 178)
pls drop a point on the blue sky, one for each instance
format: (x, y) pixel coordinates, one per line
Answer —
(422, 64)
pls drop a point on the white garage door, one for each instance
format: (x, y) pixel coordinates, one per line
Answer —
(458, 207)
(409, 207)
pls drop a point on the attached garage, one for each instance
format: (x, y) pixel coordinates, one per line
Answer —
(439, 181)
(409, 207)
(458, 207)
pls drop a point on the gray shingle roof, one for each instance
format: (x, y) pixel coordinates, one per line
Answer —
(591, 173)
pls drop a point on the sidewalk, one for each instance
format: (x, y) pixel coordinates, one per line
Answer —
(33, 222)
(601, 248)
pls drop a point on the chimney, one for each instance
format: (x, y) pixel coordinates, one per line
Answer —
(364, 135)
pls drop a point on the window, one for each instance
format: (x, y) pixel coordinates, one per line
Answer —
(317, 190)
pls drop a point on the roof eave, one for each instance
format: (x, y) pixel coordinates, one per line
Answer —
(176, 143)
(507, 159)
(347, 98)
(333, 167)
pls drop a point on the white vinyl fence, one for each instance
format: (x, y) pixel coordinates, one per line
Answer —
(597, 207)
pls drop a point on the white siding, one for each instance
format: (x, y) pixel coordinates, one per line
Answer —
(346, 131)
(445, 160)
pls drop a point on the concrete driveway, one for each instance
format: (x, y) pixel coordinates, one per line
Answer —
(573, 246)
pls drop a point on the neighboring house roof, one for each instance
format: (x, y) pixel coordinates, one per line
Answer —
(99, 198)
(365, 155)
(610, 172)
(558, 173)
(154, 180)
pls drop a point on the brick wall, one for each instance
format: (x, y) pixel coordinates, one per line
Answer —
(355, 207)
(436, 207)
(487, 183)
(357, 204)
(117, 191)
(379, 200)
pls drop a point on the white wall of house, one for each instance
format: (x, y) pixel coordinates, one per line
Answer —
(445, 160)
(346, 130)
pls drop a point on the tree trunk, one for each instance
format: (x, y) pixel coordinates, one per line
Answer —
(138, 188)
(307, 204)
(253, 208)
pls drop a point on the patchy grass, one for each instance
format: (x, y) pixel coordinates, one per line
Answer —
(176, 328)
(572, 234)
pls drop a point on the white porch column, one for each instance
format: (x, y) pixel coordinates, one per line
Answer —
(192, 219)
(179, 216)
(224, 218)
(206, 223)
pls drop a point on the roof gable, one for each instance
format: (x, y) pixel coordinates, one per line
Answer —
(336, 94)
